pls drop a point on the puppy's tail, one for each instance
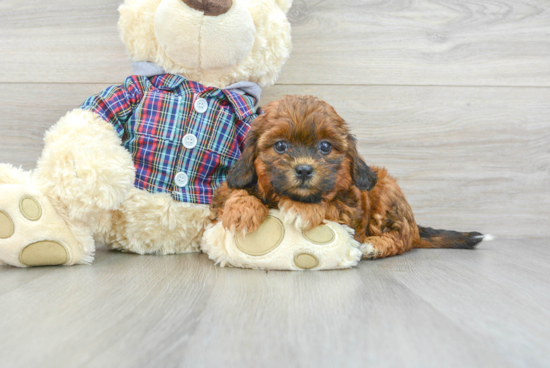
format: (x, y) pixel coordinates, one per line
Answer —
(432, 238)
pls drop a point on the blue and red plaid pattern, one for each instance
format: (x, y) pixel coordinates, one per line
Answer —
(152, 115)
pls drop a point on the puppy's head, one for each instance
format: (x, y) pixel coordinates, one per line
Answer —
(300, 148)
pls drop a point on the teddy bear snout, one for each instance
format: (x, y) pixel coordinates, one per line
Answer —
(210, 7)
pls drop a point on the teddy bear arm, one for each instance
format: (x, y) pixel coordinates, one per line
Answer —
(84, 166)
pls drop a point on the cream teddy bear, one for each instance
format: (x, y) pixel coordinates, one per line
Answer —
(136, 165)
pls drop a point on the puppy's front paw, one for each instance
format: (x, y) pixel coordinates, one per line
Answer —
(243, 213)
(306, 216)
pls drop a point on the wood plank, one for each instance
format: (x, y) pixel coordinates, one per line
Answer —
(14, 280)
(427, 308)
(115, 313)
(501, 42)
(61, 41)
(356, 318)
(28, 110)
(451, 42)
(455, 284)
(467, 158)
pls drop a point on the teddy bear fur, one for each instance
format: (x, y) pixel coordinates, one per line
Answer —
(87, 177)
(271, 49)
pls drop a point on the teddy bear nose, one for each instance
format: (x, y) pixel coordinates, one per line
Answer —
(210, 7)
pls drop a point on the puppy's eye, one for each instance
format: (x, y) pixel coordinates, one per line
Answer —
(325, 148)
(280, 147)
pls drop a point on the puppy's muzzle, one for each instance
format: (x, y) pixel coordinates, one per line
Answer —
(304, 172)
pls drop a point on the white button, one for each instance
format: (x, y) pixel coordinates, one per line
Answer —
(182, 179)
(189, 141)
(201, 105)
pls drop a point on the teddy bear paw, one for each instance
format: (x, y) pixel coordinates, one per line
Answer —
(31, 232)
(277, 245)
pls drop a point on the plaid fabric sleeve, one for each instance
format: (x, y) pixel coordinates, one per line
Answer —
(242, 128)
(116, 103)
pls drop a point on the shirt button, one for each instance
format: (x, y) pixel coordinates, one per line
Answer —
(201, 105)
(189, 141)
(182, 179)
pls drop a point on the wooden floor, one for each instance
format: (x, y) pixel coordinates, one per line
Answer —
(428, 308)
(452, 96)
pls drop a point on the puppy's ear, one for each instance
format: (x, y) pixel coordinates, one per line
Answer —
(363, 177)
(243, 174)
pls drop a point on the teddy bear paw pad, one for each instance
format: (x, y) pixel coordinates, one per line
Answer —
(30, 208)
(306, 261)
(31, 231)
(320, 235)
(44, 253)
(264, 240)
(6, 226)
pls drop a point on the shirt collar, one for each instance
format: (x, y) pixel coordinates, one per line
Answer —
(243, 105)
(168, 82)
(244, 96)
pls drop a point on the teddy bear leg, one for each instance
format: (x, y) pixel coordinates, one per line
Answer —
(32, 231)
(84, 166)
(47, 217)
(153, 224)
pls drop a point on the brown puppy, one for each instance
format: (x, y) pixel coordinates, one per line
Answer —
(299, 157)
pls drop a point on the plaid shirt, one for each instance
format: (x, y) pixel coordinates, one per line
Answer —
(153, 115)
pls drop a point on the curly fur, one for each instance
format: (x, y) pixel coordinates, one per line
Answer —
(341, 187)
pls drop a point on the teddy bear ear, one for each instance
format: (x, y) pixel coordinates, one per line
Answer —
(284, 5)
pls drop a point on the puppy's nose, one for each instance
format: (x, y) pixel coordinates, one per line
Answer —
(210, 7)
(304, 172)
